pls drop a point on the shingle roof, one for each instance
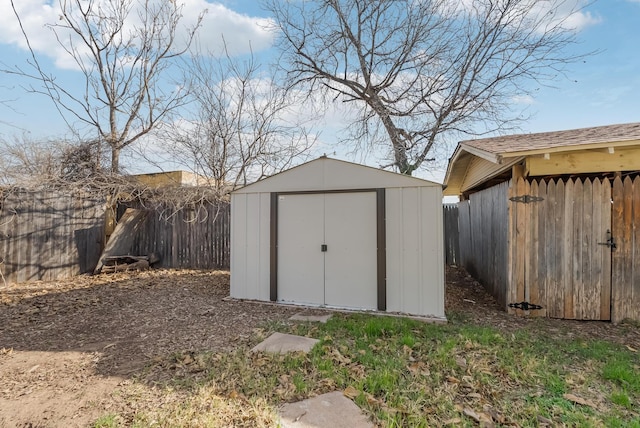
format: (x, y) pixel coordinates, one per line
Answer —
(547, 140)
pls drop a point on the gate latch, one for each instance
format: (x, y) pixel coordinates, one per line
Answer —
(525, 306)
(611, 243)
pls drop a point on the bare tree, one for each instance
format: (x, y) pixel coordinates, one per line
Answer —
(123, 50)
(419, 71)
(243, 127)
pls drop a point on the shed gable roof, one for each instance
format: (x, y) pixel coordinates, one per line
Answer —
(332, 174)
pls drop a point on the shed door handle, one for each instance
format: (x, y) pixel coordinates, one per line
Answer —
(323, 248)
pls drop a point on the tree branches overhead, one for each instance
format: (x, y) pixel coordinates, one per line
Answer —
(242, 126)
(419, 71)
(124, 50)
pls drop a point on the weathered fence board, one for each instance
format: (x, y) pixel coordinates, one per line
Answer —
(626, 258)
(49, 235)
(194, 238)
(451, 234)
(484, 228)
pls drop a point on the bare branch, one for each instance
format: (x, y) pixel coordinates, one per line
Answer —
(422, 71)
(124, 67)
(242, 129)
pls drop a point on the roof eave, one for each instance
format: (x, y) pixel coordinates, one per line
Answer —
(491, 157)
(570, 148)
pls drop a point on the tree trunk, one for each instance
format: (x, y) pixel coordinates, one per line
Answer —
(115, 160)
(399, 150)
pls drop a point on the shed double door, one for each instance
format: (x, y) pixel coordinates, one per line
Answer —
(327, 249)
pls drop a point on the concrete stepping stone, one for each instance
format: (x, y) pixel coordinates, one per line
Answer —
(280, 343)
(332, 410)
(310, 316)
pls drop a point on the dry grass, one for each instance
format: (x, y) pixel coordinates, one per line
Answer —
(193, 369)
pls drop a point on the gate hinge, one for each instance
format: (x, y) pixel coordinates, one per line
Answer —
(526, 199)
(525, 306)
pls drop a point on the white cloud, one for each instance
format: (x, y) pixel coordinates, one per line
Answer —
(241, 32)
(568, 14)
(523, 99)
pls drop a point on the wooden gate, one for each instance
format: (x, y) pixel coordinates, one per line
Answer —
(559, 257)
(626, 257)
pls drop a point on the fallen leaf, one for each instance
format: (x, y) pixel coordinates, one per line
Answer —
(631, 349)
(461, 362)
(544, 420)
(579, 400)
(351, 392)
(454, 421)
(340, 358)
(495, 415)
(371, 399)
(452, 379)
(470, 413)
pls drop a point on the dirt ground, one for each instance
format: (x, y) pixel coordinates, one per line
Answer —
(67, 346)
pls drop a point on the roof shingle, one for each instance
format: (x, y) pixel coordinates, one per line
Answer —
(547, 140)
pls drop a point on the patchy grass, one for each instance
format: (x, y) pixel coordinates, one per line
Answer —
(403, 373)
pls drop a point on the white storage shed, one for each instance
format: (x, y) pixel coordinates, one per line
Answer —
(341, 235)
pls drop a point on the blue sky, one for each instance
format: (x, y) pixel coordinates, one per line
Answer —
(604, 89)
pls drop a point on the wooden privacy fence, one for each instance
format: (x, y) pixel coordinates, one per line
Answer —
(49, 234)
(192, 237)
(483, 221)
(571, 247)
(451, 234)
(575, 248)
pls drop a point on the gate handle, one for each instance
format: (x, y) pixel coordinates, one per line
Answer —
(611, 243)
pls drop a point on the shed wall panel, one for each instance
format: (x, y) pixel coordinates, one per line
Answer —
(395, 274)
(250, 249)
(252, 255)
(409, 213)
(432, 251)
(415, 256)
(238, 247)
(264, 262)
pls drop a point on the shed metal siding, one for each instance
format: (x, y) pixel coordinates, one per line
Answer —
(250, 246)
(414, 235)
(415, 256)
